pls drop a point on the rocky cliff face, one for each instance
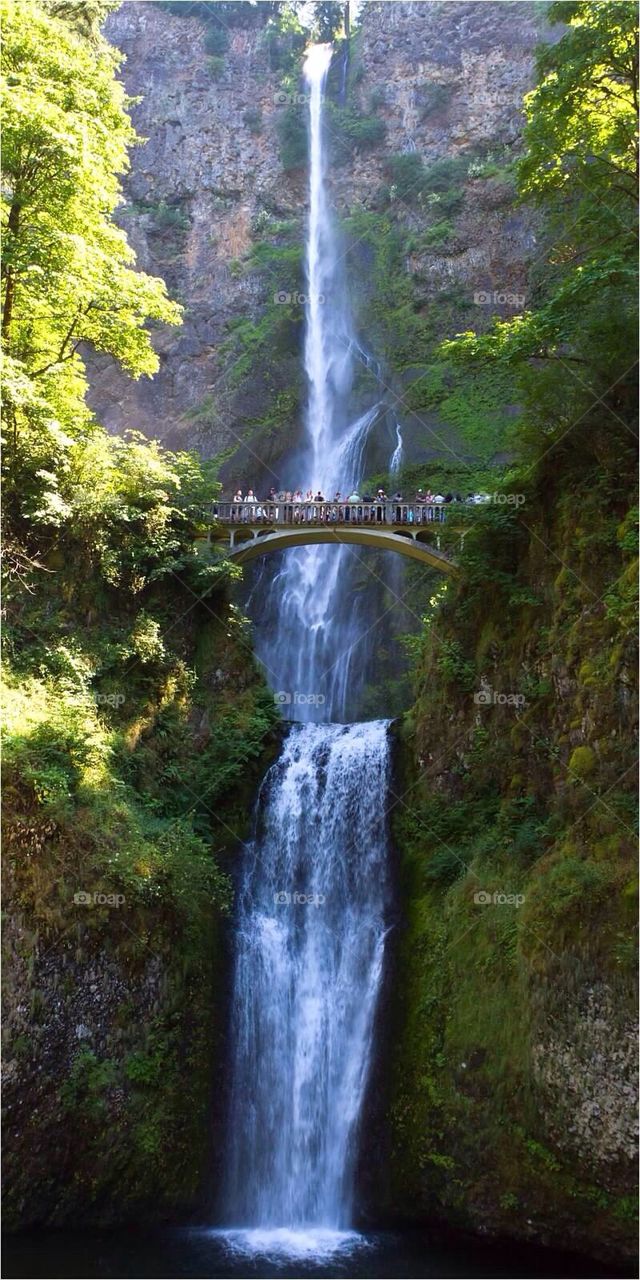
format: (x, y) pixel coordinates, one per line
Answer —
(510, 1085)
(210, 207)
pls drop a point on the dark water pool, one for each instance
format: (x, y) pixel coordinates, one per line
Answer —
(202, 1253)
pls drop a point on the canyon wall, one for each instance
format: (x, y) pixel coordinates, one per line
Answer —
(216, 198)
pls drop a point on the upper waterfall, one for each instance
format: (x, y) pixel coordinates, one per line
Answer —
(316, 634)
(329, 329)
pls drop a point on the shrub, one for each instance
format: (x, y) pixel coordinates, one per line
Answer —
(253, 120)
(292, 135)
(216, 40)
(407, 172)
(445, 866)
(351, 131)
(169, 216)
(439, 233)
(215, 67)
(436, 98)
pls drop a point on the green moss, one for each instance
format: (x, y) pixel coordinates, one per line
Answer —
(500, 804)
(582, 762)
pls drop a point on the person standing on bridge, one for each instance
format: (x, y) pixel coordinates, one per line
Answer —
(381, 499)
(250, 498)
(397, 498)
(352, 501)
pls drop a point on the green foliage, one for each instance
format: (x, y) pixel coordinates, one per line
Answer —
(444, 866)
(440, 184)
(252, 117)
(171, 216)
(223, 13)
(86, 16)
(435, 98)
(292, 135)
(68, 277)
(284, 40)
(350, 131)
(215, 67)
(475, 405)
(407, 173)
(328, 18)
(216, 40)
(105, 578)
(542, 606)
(580, 165)
(439, 233)
(90, 1077)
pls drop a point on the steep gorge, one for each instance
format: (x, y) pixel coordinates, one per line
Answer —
(503, 1099)
(216, 201)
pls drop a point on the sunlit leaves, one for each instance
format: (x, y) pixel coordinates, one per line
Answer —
(580, 166)
(67, 276)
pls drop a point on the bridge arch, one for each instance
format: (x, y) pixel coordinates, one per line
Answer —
(259, 543)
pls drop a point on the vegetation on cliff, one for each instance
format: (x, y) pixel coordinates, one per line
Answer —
(135, 719)
(513, 1091)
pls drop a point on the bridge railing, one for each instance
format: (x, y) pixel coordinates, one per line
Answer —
(314, 513)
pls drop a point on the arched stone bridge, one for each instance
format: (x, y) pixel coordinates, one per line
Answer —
(410, 529)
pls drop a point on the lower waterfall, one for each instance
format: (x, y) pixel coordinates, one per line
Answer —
(309, 950)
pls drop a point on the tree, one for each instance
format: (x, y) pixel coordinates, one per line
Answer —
(85, 16)
(67, 276)
(330, 19)
(580, 167)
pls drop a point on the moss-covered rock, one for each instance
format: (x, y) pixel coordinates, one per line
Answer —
(511, 1104)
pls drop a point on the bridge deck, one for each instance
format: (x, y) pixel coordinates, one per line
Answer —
(255, 529)
(279, 514)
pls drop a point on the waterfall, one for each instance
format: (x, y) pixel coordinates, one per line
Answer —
(312, 898)
(314, 635)
(397, 455)
(311, 934)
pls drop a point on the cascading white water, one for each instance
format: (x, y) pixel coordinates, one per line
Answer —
(313, 892)
(310, 944)
(398, 453)
(311, 621)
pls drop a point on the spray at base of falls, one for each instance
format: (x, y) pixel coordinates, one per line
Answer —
(313, 895)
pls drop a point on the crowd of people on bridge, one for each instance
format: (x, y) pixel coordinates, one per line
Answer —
(300, 508)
